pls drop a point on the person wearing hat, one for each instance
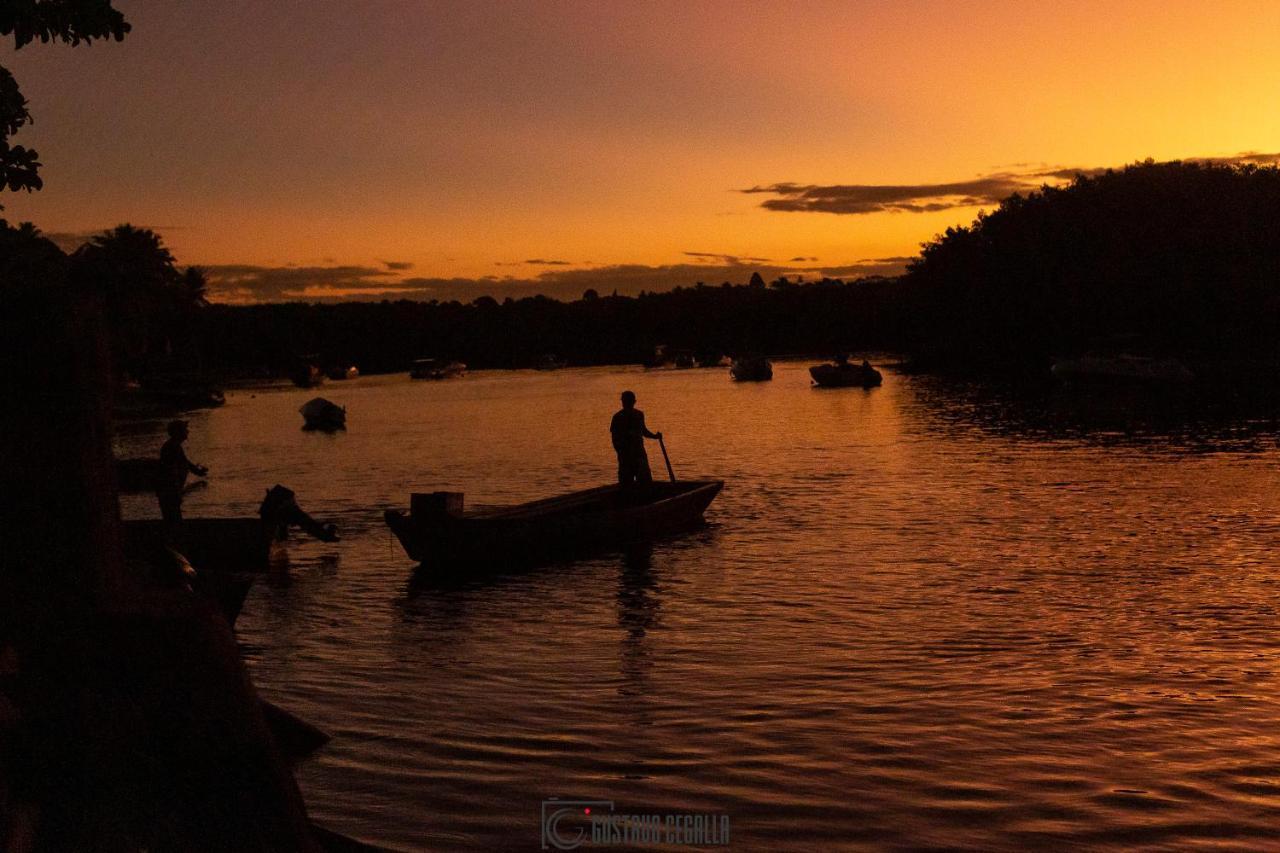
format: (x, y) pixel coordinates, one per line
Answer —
(174, 467)
(629, 432)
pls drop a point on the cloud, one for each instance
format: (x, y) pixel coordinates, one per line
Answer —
(730, 260)
(549, 263)
(984, 190)
(398, 266)
(235, 283)
(244, 283)
(801, 259)
(892, 198)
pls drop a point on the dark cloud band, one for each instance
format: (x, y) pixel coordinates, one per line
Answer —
(982, 191)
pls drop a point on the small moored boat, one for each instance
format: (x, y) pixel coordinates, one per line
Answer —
(436, 368)
(1122, 368)
(324, 415)
(751, 370)
(842, 374)
(551, 361)
(439, 533)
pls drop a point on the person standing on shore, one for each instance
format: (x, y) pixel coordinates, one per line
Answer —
(174, 467)
(629, 432)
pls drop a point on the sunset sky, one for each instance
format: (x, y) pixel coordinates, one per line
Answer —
(313, 149)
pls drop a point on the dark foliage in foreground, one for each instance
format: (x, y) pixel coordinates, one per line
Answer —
(1175, 258)
(69, 21)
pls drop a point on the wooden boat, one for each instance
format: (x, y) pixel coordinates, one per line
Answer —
(296, 738)
(211, 544)
(168, 395)
(751, 370)
(153, 560)
(438, 533)
(436, 368)
(228, 544)
(227, 590)
(845, 375)
(329, 841)
(1122, 368)
(324, 415)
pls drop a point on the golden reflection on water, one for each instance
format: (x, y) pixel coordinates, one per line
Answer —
(921, 615)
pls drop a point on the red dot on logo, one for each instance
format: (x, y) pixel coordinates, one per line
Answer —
(586, 811)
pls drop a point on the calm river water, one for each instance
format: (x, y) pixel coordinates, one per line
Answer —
(923, 615)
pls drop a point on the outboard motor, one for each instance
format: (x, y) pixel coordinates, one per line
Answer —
(280, 509)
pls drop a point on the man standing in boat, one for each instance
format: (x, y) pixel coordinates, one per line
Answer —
(629, 432)
(174, 467)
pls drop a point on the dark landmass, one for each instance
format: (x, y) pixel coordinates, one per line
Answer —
(386, 336)
(1176, 259)
(1179, 259)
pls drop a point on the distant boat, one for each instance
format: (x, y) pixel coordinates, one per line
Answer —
(551, 361)
(438, 533)
(751, 370)
(436, 368)
(305, 371)
(340, 373)
(662, 357)
(321, 414)
(1122, 368)
(168, 393)
(842, 374)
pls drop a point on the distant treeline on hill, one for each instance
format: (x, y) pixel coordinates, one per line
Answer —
(1177, 259)
(726, 319)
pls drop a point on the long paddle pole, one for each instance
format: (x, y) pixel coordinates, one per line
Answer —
(667, 459)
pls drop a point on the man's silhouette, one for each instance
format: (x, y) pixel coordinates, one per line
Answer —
(174, 467)
(629, 432)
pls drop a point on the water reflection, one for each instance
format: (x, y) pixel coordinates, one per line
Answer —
(928, 615)
(1182, 418)
(639, 613)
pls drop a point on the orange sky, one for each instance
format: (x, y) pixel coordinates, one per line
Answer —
(298, 147)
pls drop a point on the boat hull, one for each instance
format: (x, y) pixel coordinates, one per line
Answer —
(210, 544)
(845, 376)
(592, 521)
(751, 370)
(1124, 369)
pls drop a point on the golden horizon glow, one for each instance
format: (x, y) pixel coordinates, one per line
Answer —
(465, 140)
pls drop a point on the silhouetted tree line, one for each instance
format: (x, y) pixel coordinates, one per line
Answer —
(724, 319)
(1179, 258)
(150, 306)
(1168, 258)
